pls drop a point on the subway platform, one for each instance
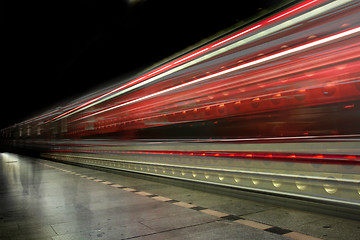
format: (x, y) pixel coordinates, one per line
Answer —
(41, 199)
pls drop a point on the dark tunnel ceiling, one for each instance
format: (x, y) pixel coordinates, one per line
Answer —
(58, 50)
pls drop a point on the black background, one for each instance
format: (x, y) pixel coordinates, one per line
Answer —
(54, 51)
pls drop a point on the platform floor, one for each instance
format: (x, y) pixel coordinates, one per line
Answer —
(40, 199)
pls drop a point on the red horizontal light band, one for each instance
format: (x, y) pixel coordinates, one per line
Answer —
(315, 158)
(192, 55)
(271, 57)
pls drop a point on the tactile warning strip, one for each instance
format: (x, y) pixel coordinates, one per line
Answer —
(273, 229)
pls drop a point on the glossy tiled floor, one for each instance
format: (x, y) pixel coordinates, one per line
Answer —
(40, 199)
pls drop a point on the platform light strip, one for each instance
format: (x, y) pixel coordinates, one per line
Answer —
(269, 174)
(330, 158)
(260, 190)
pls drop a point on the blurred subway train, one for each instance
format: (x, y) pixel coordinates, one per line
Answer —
(272, 107)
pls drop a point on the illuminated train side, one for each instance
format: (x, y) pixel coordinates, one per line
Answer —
(273, 108)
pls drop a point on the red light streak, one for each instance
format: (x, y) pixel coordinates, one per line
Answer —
(189, 56)
(298, 157)
(236, 35)
(238, 67)
(290, 11)
(349, 106)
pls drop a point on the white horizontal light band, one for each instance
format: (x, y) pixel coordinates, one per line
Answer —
(296, 20)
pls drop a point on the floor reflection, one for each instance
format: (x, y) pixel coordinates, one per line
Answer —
(30, 176)
(10, 168)
(22, 171)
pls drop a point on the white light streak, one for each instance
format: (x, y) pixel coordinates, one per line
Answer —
(239, 67)
(291, 22)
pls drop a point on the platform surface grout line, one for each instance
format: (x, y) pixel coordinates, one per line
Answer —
(223, 216)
